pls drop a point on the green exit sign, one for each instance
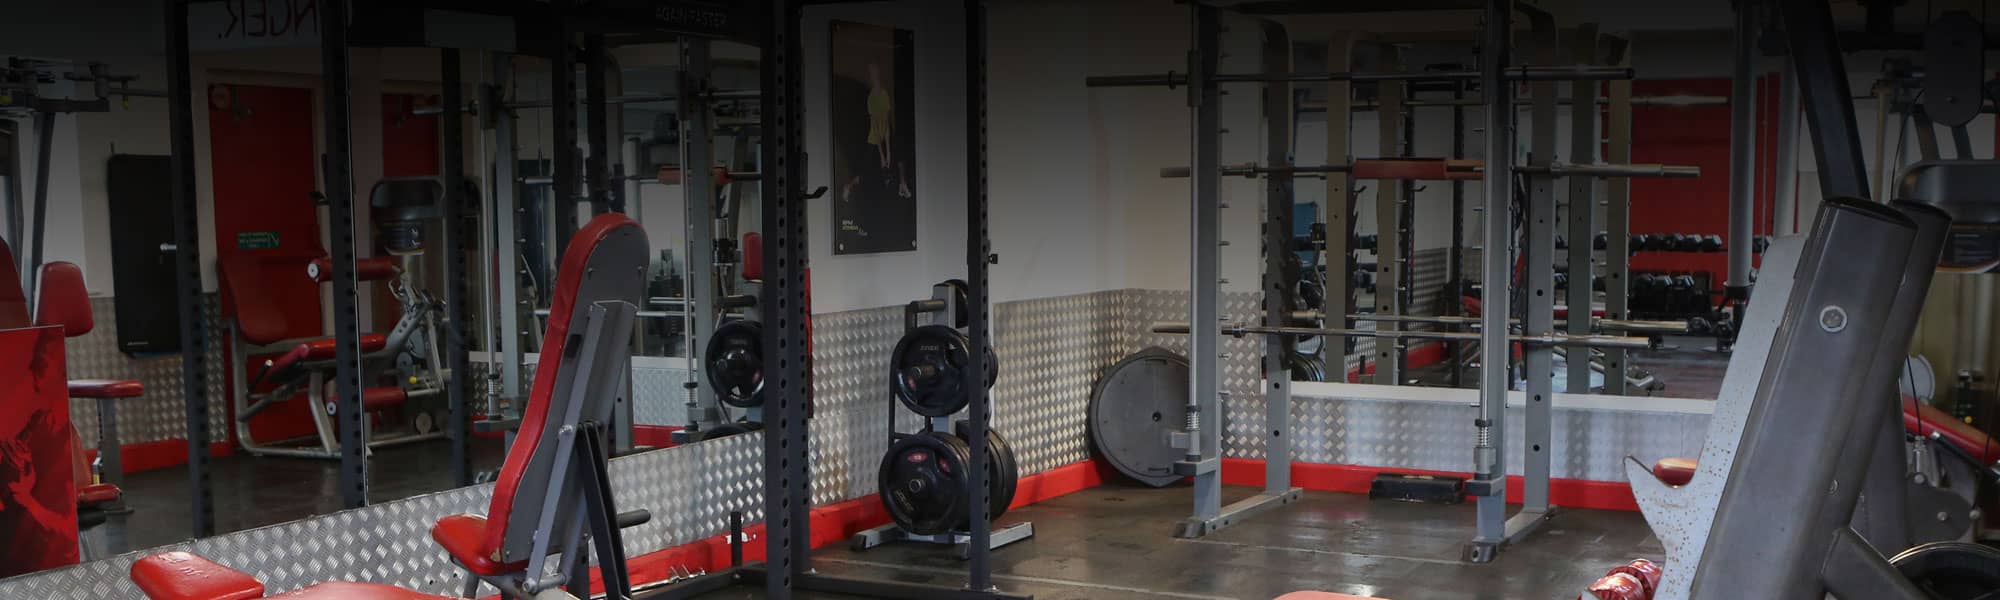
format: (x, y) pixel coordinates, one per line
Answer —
(257, 240)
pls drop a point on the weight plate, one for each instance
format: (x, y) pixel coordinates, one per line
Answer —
(729, 429)
(922, 480)
(1133, 408)
(734, 361)
(1305, 367)
(1003, 473)
(1951, 570)
(926, 372)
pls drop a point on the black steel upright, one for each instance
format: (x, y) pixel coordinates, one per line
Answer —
(562, 117)
(597, 113)
(336, 106)
(1825, 97)
(451, 128)
(787, 539)
(978, 250)
(187, 268)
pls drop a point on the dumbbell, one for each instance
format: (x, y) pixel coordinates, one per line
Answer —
(1641, 242)
(1365, 242)
(1596, 283)
(1561, 280)
(1600, 242)
(1711, 243)
(1760, 243)
(1561, 244)
(1682, 242)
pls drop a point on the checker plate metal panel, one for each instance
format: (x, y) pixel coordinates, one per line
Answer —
(158, 415)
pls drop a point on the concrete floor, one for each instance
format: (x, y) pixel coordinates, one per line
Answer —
(1112, 543)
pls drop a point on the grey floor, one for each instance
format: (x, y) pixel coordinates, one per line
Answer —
(250, 492)
(1112, 543)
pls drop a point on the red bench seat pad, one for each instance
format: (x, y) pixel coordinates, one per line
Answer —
(343, 590)
(462, 536)
(184, 576)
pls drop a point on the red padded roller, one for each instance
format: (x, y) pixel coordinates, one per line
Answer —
(1674, 471)
(378, 268)
(753, 256)
(1924, 420)
(105, 388)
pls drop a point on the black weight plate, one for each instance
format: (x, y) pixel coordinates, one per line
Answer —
(1003, 473)
(1951, 570)
(926, 372)
(1305, 367)
(729, 429)
(1132, 409)
(734, 363)
(922, 480)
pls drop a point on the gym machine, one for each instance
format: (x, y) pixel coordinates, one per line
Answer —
(922, 475)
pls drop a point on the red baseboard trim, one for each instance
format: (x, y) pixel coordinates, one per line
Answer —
(1423, 355)
(1354, 479)
(656, 436)
(835, 523)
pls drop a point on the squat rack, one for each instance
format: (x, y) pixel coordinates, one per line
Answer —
(1497, 73)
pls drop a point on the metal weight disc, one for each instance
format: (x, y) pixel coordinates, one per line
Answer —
(1003, 473)
(734, 363)
(959, 291)
(1951, 570)
(922, 480)
(927, 371)
(1135, 405)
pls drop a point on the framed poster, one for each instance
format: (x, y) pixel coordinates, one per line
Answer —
(873, 115)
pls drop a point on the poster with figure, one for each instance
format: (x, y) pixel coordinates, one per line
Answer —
(873, 114)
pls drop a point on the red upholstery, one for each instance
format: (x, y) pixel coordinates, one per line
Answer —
(98, 493)
(575, 259)
(253, 307)
(342, 590)
(105, 388)
(462, 536)
(1617, 586)
(184, 576)
(1674, 471)
(13, 302)
(63, 300)
(378, 268)
(374, 398)
(323, 349)
(753, 256)
(1922, 419)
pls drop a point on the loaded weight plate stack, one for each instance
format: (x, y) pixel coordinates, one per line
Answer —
(927, 370)
(735, 363)
(1003, 473)
(1137, 403)
(923, 482)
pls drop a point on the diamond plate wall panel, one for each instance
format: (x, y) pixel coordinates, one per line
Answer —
(1401, 434)
(1051, 353)
(658, 395)
(158, 415)
(1242, 374)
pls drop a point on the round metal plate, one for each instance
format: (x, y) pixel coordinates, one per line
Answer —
(922, 480)
(1003, 473)
(734, 363)
(1137, 403)
(1951, 570)
(926, 372)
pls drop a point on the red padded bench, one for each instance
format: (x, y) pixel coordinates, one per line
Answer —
(62, 300)
(184, 576)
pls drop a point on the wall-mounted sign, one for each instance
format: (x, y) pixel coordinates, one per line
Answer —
(253, 24)
(874, 118)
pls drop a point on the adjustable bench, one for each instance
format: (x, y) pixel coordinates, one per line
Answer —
(554, 487)
(1919, 419)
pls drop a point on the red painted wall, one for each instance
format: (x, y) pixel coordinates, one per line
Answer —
(1697, 136)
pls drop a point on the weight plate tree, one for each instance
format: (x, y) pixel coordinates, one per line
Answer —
(923, 482)
(1003, 474)
(735, 366)
(926, 370)
(1137, 403)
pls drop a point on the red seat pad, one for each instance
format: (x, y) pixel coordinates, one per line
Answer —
(1922, 420)
(324, 349)
(1674, 471)
(63, 300)
(184, 576)
(105, 388)
(98, 493)
(753, 256)
(461, 536)
(343, 590)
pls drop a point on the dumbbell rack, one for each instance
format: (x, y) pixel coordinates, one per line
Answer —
(937, 310)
